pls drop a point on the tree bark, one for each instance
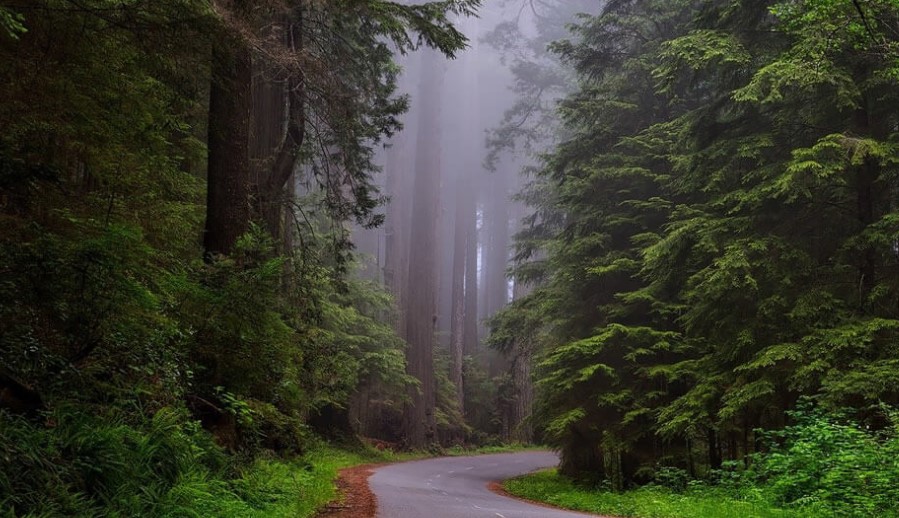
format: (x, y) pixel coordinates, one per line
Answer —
(420, 423)
(279, 121)
(522, 430)
(396, 226)
(228, 177)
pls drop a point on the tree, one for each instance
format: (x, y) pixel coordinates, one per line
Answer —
(228, 177)
(713, 230)
(339, 89)
(527, 129)
(421, 317)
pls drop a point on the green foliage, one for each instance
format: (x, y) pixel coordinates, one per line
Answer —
(76, 464)
(90, 305)
(347, 59)
(118, 343)
(480, 397)
(11, 22)
(452, 427)
(301, 487)
(82, 465)
(647, 502)
(830, 462)
(430, 21)
(715, 236)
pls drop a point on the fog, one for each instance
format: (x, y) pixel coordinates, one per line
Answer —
(475, 126)
(453, 105)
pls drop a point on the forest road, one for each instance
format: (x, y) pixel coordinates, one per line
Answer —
(456, 487)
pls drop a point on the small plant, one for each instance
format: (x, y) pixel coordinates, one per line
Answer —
(675, 479)
(235, 406)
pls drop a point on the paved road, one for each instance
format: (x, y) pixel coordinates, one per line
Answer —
(456, 487)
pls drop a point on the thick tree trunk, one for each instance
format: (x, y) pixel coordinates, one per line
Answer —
(398, 169)
(228, 179)
(471, 171)
(420, 425)
(269, 118)
(278, 133)
(396, 231)
(396, 226)
(446, 240)
(523, 384)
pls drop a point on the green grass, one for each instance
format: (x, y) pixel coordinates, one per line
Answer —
(648, 502)
(276, 488)
(458, 451)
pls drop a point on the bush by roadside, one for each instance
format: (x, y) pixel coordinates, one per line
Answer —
(825, 464)
(76, 464)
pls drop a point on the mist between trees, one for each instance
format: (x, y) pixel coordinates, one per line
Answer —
(642, 232)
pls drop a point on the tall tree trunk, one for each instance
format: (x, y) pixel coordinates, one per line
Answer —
(470, 331)
(867, 174)
(269, 120)
(396, 229)
(714, 451)
(457, 327)
(473, 143)
(419, 418)
(279, 131)
(446, 238)
(228, 177)
(519, 421)
(522, 429)
(497, 260)
(398, 179)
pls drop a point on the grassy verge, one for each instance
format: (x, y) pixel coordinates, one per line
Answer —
(648, 502)
(461, 451)
(275, 488)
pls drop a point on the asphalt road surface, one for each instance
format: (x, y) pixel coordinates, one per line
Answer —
(456, 487)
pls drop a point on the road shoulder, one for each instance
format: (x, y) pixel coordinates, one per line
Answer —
(355, 498)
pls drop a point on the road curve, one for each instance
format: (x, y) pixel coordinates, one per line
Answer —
(456, 487)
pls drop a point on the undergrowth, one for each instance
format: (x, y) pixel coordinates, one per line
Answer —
(827, 463)
(647, 502)
(75, 464)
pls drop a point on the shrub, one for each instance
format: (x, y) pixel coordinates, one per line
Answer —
(831, 461)
(79, 464)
